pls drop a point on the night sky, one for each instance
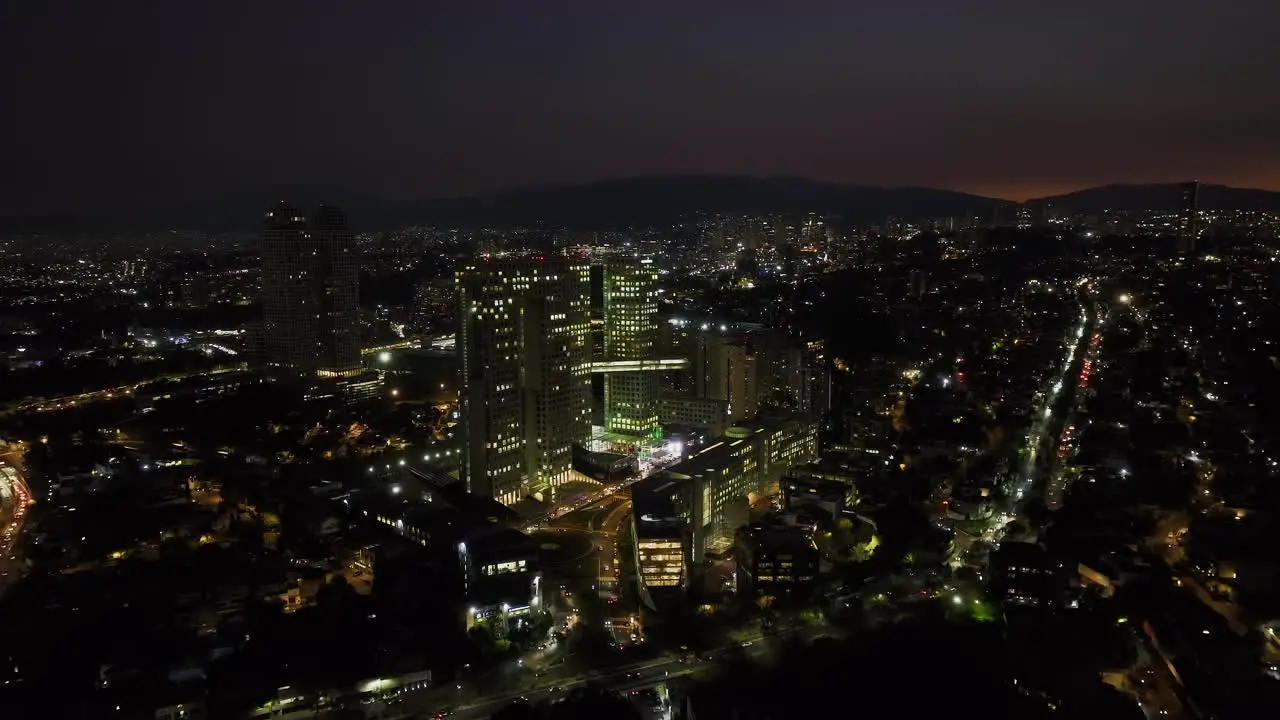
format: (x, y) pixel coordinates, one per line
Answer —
(136, 103)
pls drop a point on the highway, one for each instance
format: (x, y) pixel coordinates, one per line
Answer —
(43, 404)
(14, 504)
(66, 402)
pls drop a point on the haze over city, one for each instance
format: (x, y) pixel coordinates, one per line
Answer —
(155, 104)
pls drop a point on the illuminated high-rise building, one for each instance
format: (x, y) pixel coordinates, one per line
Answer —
(1188, 215)
(525, 367)
(631, 333)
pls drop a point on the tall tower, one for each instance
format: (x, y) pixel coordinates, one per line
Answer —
(1188, 215)
(525, 366)
(631, 333)
(288, 309)
(731, 374)
(310, 292)
(337, 288)
(917, 284)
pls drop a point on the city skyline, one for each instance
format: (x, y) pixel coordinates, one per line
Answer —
(439, 102)
(540, 361)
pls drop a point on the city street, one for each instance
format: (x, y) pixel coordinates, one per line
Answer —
(651, 674)
(1048, 422)
(595, 496)
(601, 525)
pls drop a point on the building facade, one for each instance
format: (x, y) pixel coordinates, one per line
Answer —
(661, 541)
(310, 293)
(630, 333)
(525, 374)
(337, 286)
(774, 559)
(289, 311)
(724, 479)
(730, 372)
(700, 412)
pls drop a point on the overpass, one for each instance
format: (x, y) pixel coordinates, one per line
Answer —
(647, 365)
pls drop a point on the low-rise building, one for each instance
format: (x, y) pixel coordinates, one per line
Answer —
(774, 559)
(723, 479)
(708, 413)
(500, 574)
(1027, 575)
(661, 541)
(823, 500)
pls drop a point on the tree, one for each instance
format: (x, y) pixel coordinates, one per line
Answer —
(518, 710)
(888, 666)
(592, 642)
(591, 703)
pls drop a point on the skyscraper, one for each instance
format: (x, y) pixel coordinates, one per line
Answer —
(631, 332)
(310, 293)
(525, 366)
(730, 373)
(917, 284)
(337, 285)
(1188, 210)
(289, 320)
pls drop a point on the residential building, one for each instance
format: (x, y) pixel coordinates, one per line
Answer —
(310, 293)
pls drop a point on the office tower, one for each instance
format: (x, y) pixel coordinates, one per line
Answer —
(730, 373)
(310, 293)
(630, 333)
(1188, 209)
(337, 289)
(721, 367)
(525, 366)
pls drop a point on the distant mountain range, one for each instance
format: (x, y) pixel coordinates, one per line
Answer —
(1164, 197)
(616, 203)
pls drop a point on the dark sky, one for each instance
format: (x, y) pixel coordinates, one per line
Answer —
(137, 103)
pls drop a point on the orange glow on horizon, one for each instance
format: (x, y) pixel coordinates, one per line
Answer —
(1021, 192)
